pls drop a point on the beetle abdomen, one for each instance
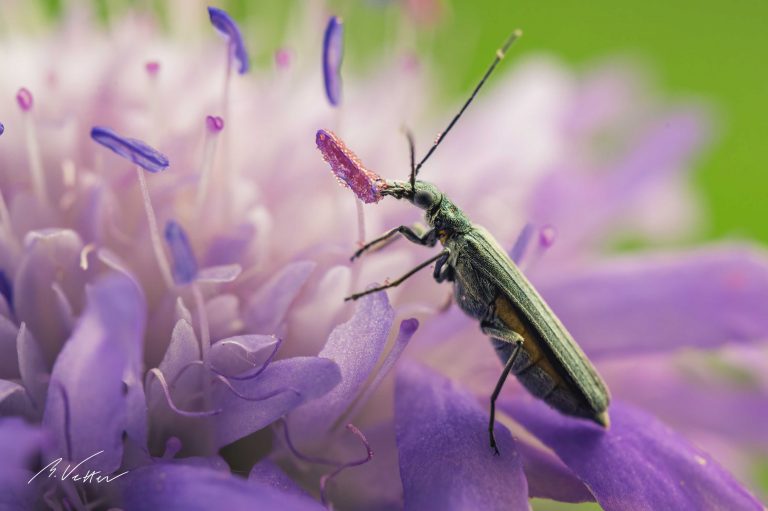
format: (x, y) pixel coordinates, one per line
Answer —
(537, 369)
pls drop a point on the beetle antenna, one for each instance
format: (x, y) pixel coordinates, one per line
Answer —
(411, 147)
(499, 55)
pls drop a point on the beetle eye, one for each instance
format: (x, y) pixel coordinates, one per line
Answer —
(424, 199)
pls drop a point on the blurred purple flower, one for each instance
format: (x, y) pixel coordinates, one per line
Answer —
(250, 361)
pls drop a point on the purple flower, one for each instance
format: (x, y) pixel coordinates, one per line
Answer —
(250, 362)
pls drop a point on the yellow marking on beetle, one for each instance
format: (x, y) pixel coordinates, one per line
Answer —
(531, 344)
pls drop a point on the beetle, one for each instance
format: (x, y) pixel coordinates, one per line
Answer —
(527, 336)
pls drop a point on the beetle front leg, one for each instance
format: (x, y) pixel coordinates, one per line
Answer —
(428, 238)
(512, 337)
(442, 255)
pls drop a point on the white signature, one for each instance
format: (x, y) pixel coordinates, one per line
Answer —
(90, 476)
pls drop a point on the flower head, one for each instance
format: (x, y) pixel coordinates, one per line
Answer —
(250, 361)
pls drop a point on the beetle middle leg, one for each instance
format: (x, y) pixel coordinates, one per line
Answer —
(428, 238)
(441, 256)
(512, 337)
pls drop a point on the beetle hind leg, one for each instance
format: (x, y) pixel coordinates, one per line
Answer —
(512, 337)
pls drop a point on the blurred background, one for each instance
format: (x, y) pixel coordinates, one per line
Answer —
(704, 49)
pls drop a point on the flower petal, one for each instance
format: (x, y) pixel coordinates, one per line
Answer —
(20, 445)
(289, 382)
(267, 307)
(138, 152)
(9, 367)
(219, 274)
(637, 464)
(183, 349)
(549, 478)
(34, 373)
(267, 472)
(355, 346)
(87, 406)
(643, 304)
(442, 440)
(227, 26)
(194, 488)
(244, 353)
(51, 255)
(14, 400)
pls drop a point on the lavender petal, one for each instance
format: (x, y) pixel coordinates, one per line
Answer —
(138, 152)
(333, 53)
(50, 255)
(637, 464)
(87, 406)
(197, 488)
(241, 354)
(549, 478)
(442, 441)
(702, 299)
(34, 372)
(20, 445)
(356, 346)
(9, 367)
(227, 26)
(290, 382)
(219, 274)
(266, 309)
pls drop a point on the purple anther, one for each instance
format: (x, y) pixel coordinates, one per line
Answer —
(547, 236)
(2, 128)
(333, 51)
(138, 152)
(227, 26)
(24, 99)
(349, 170)
(152, 67)
(214, 123)
(182, 257)
(283, 58)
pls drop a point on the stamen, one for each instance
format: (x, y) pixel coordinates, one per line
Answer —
(368, 457)
(227, 26)
(161, 379)
(2, 128)
(547, 236)
(333, 53)
(202, 317)
(259, 370)
(270, 395)
(283, 58)
(214, 125)
(84, 253)
(154, 231)
(348, 168)
(138, 152)
(300, 455)
(152, 67)
(521, 244)
(172, 447)
(26, 101)
(184, 262)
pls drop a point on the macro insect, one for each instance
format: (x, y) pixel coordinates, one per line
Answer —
(528, 337)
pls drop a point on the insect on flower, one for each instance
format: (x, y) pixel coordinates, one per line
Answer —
(527, 336)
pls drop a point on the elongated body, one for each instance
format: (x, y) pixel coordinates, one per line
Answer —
(489, 287)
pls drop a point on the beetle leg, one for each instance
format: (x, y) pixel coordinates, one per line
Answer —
(443, 254)
(443, 272)
(510, 336)
(414, 234)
